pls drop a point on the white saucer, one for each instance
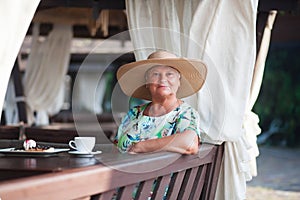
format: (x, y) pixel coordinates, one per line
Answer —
(85, 154)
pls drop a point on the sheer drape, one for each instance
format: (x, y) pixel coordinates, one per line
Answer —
(45, 71)
(222, 34)
(88, 95)
(10, 105)
(15, 19)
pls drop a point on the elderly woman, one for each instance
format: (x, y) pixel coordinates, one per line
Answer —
(166, 123)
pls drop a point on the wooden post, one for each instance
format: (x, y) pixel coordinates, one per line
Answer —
(20, 99)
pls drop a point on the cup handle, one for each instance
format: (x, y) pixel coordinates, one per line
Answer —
(71, 144)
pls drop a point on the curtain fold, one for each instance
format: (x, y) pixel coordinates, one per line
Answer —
(45, 72)
(88, 94)
(223, 35)
(15, 17)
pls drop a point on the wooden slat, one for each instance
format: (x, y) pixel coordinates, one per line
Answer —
(187, 184)
(175, 185)
(215, 172)
(199, 186)
(104, 196)
(205, 191)
(190, 184)
(212, 175)
(161, 185)
(145, 190)
(126, 192)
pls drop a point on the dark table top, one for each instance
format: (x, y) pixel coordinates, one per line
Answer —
(54, 163)
(23, 166)
(20, 165)
(51, 162)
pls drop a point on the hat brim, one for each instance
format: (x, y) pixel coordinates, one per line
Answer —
(131, 76)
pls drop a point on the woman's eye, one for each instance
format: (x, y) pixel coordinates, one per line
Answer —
(155, 74)
(170, 74)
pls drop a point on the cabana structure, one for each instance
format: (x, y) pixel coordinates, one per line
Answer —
(232, 38)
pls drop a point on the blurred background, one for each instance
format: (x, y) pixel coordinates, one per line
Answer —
(278, 104)
(278, 108)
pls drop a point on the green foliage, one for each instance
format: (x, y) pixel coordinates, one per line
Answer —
(280, 93)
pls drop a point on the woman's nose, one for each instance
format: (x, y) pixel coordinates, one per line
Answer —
(162, 78)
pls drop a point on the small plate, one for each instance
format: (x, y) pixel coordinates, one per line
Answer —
(84, 154)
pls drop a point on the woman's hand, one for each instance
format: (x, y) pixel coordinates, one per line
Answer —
(133, 148)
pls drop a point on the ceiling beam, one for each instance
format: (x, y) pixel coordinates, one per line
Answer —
(100, 4)
(286, 27)
(280, 5)
(263, 5)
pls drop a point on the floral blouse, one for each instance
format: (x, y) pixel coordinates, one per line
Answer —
(137, 127)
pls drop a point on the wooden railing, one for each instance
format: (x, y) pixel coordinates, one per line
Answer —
(9, 132)
(160, 175)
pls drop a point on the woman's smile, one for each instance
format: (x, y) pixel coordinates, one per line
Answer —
(163, 86)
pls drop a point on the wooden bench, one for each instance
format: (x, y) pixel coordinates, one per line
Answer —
(125, 176)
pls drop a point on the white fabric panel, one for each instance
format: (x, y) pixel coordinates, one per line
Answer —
(222, 34)
(226, 30)
(44, 76)
(15, 18)
(88, 95)
(251, 120)
(10, 106)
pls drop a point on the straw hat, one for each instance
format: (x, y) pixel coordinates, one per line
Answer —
(131, 76)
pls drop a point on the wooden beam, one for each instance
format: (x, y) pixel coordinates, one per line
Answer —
(264, 5)
(101, 4)
(286, 28)
(280, 5)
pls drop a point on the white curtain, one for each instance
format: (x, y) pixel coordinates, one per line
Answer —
(222, 34)
(89, 90)
(251, 119)
(10, 105)
(45, 72)
(15, 18)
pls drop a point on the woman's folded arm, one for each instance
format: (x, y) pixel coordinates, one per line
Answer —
(186, 142)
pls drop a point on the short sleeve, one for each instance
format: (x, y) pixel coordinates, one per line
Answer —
(122, 139)
(132, 113)
(188, 119)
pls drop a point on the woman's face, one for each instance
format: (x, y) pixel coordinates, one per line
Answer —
(162, 81)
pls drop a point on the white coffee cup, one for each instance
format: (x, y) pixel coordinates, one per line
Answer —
(83, 144)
